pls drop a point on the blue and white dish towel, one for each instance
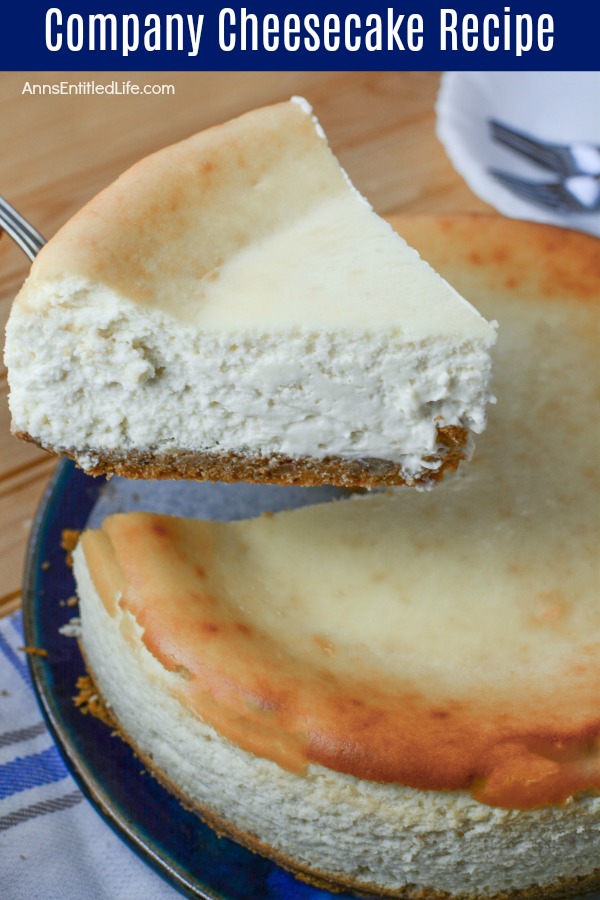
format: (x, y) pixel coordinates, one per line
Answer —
(53, 845)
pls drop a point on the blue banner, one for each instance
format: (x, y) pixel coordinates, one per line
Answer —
(97, 35)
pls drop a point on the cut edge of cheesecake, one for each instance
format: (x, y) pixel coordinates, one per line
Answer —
(229, 309)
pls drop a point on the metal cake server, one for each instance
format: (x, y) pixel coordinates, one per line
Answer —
(20, 230)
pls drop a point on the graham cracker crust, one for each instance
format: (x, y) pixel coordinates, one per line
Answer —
(307, 471)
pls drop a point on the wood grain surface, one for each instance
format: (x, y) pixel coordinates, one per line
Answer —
(59, 150)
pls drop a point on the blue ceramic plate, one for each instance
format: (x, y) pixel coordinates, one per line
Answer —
(176, 843)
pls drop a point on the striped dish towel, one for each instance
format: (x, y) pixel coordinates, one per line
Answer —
(52, 842)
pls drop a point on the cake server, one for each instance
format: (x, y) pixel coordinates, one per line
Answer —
(20, 230)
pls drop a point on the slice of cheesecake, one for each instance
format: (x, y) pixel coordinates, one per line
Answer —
(395, 692)
(231, 308)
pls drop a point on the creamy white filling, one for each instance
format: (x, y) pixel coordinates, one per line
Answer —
(97, 373)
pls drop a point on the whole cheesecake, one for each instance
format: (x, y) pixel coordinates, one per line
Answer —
(396, 693)
(231, 308)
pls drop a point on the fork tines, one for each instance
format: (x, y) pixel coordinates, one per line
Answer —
(548, 195)
(550, 156)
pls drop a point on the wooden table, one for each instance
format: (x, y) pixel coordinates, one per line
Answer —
(63, 148)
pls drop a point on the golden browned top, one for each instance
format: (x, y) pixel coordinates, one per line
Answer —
(249, 224)
(168, 219)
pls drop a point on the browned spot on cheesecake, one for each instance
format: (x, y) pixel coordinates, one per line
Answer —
(213, 275)
(160, 529)
(324, 644)
(551, 609)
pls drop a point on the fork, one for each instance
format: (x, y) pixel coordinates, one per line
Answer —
(576, 158)
(577, 193)
(577, 165)
(20, 230)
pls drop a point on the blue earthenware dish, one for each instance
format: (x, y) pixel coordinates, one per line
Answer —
(175, 842)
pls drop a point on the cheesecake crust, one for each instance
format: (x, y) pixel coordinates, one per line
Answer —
(231, 466)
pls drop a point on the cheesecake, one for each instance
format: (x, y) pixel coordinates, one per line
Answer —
(395, 692)
(231, 308)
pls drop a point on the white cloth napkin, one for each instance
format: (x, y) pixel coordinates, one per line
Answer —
(53, 845)
(561, 107)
